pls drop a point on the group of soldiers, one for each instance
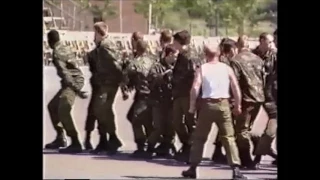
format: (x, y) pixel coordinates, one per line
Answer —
(161, 103)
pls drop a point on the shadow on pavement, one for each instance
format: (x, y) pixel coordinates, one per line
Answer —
(152, 177)
(55, 152)
(125, 156)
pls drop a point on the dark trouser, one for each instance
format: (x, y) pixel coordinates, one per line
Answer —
(183, 122)
(217, 111)
(264, 146)
(243, 127)
(103, 109)
(91, 117)
(140, 116)
(162, 120)
(60, 111)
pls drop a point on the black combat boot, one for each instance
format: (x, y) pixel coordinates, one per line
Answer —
(149, 152)
(236, 174)
(102, 146)
(59, 142)
(218, 156)
(75, 146)
(114, 144)
(87, 142)
(183, 154)
(190, 173)
(246, 160)
(140, 149)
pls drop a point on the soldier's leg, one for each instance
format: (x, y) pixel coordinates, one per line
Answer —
(199, 138)
(109, 119)
(242, 127)
(218, 156)
(264, 146)
(190, 120)
(148, 121)
(155, 136)
(90, 121)
(138, 119)
(178, 124)
(167, 149)
(66, 102)
(60, 140)
(99, 112)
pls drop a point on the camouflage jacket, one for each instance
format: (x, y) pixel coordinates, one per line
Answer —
(183, 72)
(136, 74)
(160, 86)
(225, 59)
(67, 68)
(270, 67)
(109, 63)
(248, 69)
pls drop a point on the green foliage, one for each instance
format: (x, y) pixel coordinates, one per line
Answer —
(241, 15)
(107, 11)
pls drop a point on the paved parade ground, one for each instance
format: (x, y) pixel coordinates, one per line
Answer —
(120, 166)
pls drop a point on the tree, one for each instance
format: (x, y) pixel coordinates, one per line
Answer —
(242, 12)
(159, 9)
(107, 11)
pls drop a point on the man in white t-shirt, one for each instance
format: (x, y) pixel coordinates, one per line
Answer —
(214, 78)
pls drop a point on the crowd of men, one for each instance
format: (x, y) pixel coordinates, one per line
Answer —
(176, 92)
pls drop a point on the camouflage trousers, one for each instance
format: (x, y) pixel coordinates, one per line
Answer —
(140, 117)
(218, 111)
(103, 109)
(91, 117)
(163, 128)
(60, 111)
(243, 126)
(264, 145)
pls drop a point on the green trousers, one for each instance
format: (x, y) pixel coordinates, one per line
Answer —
(214, 111)
(103, 109)
(183, 122)
(60, 111)
(91, 117)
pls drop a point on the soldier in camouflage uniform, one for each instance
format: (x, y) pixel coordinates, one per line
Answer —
(134, 39)
(109, 77)
(140, 113)
(248, 68)
(165, 39)
(60, 106)
(265, 51)
(160, 83)
(183, 74)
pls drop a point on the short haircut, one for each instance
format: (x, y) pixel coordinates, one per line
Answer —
(228, 45)
(97, 19)
(101, 28)
(263, 36)
(141, 46)
(170, 49)
(183, 37)
(53, 36)
(211, 51)
(136, 36)
(243, 41)
(166, 36)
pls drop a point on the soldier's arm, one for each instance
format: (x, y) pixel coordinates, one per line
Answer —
(90, 61)
(235, 87)
(195, 90)
(62, 58)
(236, 69)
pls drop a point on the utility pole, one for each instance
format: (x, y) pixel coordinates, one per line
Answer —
(120, 15)
(150, 18)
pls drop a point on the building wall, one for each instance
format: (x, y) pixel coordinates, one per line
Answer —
(131, 21)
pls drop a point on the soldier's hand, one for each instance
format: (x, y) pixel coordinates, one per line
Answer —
(83, 94)
(237, 110)
(169, 71)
